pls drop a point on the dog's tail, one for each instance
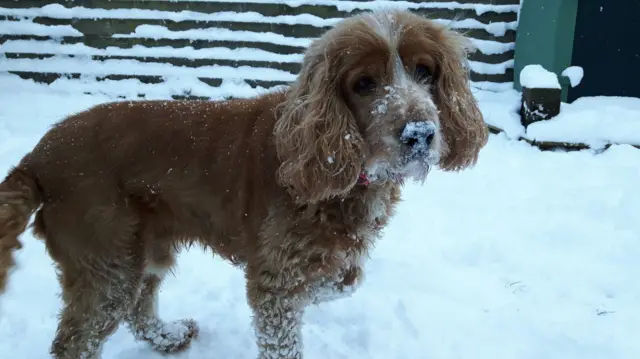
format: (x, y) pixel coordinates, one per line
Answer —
(19, 199)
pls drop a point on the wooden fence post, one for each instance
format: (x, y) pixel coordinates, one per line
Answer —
(541, 94)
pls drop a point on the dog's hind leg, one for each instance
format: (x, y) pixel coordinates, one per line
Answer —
(100, 260)
(97, 293)
(143, 319)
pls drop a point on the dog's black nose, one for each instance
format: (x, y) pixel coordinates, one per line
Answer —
(418, 135)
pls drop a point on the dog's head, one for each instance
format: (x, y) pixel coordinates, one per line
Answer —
(384, 94)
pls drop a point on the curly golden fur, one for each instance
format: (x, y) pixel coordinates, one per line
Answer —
(272, 183)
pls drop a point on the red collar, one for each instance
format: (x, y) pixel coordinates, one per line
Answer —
(363, 180)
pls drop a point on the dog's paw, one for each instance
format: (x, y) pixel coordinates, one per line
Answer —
(171, 337)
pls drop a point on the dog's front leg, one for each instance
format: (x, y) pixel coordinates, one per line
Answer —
(330, 289)
(277, 322)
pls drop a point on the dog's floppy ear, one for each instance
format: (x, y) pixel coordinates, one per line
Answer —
(316, 135)
(463, 126)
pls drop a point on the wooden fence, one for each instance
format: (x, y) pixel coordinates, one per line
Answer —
(259, 42)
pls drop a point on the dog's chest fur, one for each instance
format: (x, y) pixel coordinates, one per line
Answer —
(323, 241)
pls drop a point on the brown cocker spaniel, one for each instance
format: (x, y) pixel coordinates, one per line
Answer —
(293, 186)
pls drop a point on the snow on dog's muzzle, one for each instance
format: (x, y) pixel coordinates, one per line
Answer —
(418, 136)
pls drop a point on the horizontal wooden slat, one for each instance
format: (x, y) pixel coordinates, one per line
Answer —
(177, 61)
(110, 27)
(493, 58)
(49, 77)
(506, 77)
(101, 42)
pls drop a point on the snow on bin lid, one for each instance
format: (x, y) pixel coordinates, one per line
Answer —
(535, 76)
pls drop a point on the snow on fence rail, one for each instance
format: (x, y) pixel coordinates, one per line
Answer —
(232, 43)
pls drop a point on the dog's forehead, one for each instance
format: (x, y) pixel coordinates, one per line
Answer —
(406, 35)
(402, 32)
(394, 26)
(386, 25)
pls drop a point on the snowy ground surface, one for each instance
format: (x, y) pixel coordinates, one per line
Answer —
(530, 255)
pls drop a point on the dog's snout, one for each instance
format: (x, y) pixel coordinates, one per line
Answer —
(418, 135)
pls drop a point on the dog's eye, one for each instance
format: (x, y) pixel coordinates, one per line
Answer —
(364, 85)
(422, 72)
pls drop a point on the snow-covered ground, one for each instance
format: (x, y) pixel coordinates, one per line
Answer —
(530, 255)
